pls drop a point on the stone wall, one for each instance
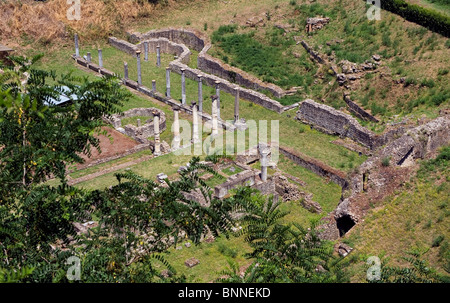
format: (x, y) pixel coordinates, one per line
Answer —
(211, 69)
(205, 62)
(316, 167)
(334, 122)
(142, 133)
(375, 181)
(315, 55)
(246, 177)
(358, 111)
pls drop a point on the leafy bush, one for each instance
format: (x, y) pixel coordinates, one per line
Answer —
(429, 18)
(385, 161)
(437, 241)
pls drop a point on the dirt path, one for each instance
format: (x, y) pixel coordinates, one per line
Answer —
(107, 170)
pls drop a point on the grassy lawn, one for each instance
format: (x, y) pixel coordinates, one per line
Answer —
(213, 257)
(415, 218)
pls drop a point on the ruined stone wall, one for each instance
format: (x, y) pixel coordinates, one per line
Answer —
(246, 177)
(376, 181)
(316, 167)
(358, 111)
(143, 132)
(206, 63)
(334, 122)
(315, 55)
(191, 73)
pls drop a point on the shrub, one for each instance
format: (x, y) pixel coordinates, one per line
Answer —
(427, 83)
(426, 17)
(386, 161)
(443, 71)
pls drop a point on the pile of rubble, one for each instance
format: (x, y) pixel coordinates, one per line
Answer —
(290, 192)
(316, 23)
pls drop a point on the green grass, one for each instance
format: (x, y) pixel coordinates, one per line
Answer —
(133, 120)
(228, 171)
(265, 60)
(415, 218)
(213, 258)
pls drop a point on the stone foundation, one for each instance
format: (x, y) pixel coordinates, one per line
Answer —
(209, 68)
(142, 133)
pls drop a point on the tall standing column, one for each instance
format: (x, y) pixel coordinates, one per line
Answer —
(236, 104)
(100, 58)
(168, 82)
(138, 57)
(218, 98)
(176, 128)
(125, 70)
(183, 86)
(200, 93)
(158, 56)
(195, 134)
(77, 48)
(146, 51)
(264, 152)
(157, 150)
(154, 86)
(215, 129)
(89, 57)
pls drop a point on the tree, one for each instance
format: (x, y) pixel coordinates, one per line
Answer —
(283, 253)
(41, 139)
(137, 219)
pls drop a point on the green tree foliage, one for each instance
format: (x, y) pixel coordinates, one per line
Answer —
(417, 271)
(41, 139)
(429, 18)
(283, 253)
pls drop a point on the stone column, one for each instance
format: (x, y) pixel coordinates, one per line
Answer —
(138, 121)
(200, 93)
(264, 152)
(100, 58)
(157, 150)
(138, 57)
(145, 51)
(89, 57)
(77, 48)
(168, 82)
(154, 86)
(218, 98)
(125, 70)
(195, 134)
(215, 129)
(158, 56)
(183, 86)
(176, 128)
(236, 104)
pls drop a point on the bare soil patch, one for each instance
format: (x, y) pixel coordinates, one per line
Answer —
(113, 144)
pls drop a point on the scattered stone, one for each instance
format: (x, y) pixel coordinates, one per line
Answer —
(320, 268)
(206, 177)
(316, 23)
(311, 205)
(191, 262)
(255, 21)
(181, 169)
(210, 239)
(376, 57)
(341, 78)
(83, 228)
(165, 273)
(232, 169)
(179, 248)
(161, 177)
(344, 249)
(187, 244)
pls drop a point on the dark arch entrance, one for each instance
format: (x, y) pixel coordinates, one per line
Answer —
(344, 224)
